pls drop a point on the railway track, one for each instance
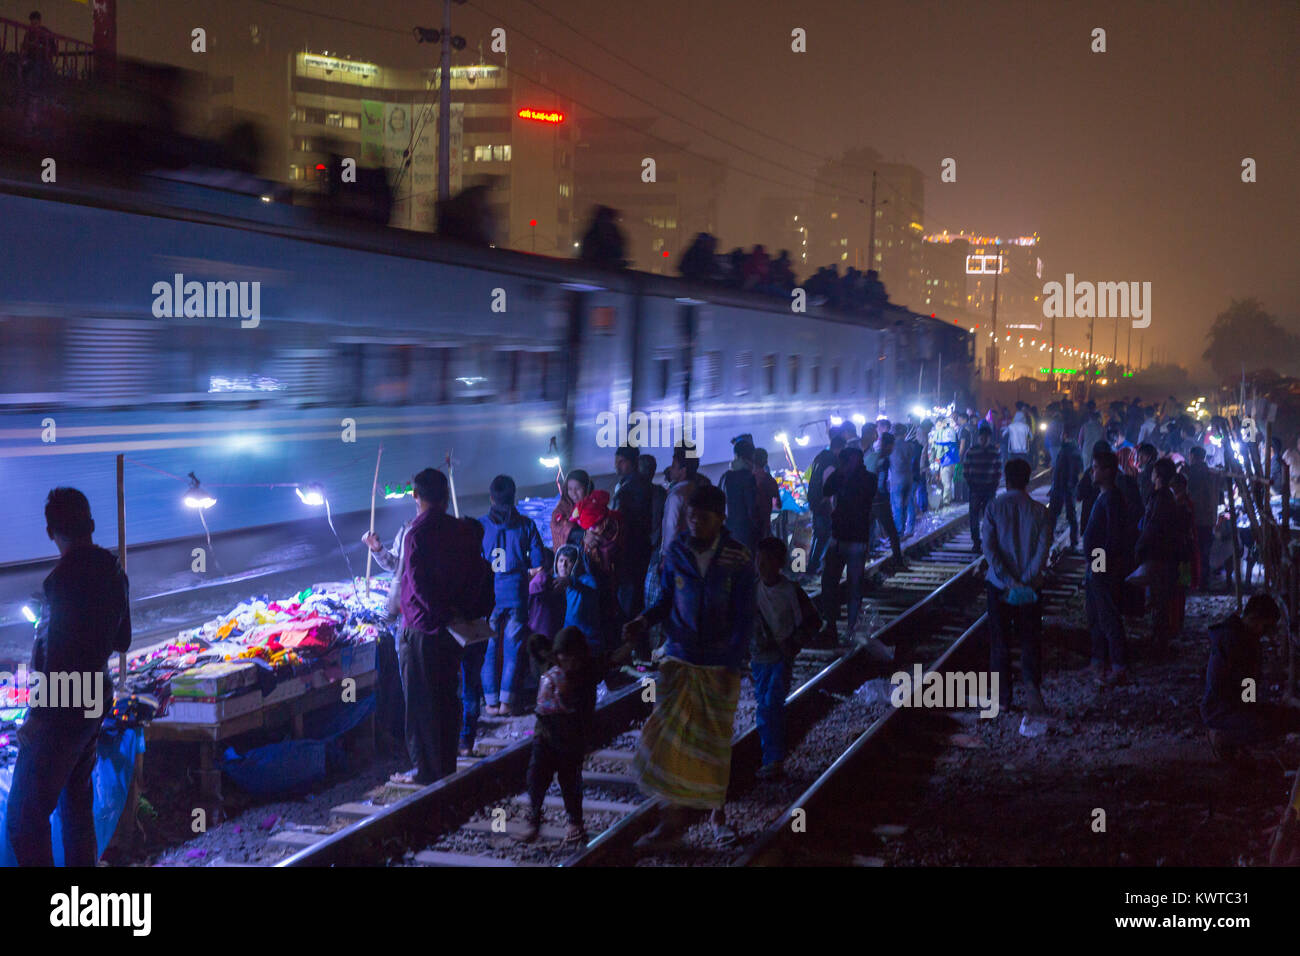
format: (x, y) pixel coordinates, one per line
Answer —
(469, 819)
(857, 801)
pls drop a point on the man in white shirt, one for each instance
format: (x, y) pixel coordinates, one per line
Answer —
(1016, 541)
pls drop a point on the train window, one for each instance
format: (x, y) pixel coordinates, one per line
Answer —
(744, 372)
(794, 374)
(815, 373)
(473, 376)
(711, 374)
(769, 373)
(835, 379)
(662, 375)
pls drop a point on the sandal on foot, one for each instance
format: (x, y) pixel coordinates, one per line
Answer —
(576, 835)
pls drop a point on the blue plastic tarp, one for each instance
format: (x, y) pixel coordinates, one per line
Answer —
(110, 780)
(294, 764)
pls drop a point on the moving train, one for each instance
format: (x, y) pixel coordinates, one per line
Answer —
(252, 346)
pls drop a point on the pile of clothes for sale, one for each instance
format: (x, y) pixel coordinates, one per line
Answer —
(262, 650)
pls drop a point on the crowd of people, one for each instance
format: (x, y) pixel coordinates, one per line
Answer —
(755, 271)
(689, 575)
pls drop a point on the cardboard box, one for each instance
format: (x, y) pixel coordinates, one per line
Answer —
(199, 711)
(215, 680)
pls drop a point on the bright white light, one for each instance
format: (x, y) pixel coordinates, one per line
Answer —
(29, 614)
(837, 421)
(918, 411)
(1043, 427)
(266, 199)
(312, 496)
(782, 438)
(471, 379)
(391, 495)
(803, 440)
(549, 462)
(199, 499)
(859, 419)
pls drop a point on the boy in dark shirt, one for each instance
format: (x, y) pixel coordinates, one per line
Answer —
(87, 617)
(566, 708)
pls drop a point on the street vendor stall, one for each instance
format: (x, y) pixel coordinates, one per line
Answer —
(264, 664)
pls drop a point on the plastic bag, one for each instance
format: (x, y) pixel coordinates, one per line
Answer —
(110, 783)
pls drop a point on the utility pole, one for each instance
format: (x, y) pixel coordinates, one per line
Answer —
(1128, 358)
(448, 43)
(997, 371)
(104, 33)
(1052, 370)
(871, 243)
(1092, 325)
(444, 107)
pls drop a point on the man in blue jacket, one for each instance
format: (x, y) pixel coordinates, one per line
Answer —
(707, 611)
(514, 548)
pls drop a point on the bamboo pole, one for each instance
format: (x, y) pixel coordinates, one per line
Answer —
(1236, 544)
(374, 489)
(121, 550)
(451, 482)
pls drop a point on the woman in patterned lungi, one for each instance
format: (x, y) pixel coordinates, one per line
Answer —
(706, 605)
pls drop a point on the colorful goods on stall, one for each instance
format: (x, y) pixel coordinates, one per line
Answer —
(258, 646)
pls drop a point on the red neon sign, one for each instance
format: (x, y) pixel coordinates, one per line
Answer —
(541, 116)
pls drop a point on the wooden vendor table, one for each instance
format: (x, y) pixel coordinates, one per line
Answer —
(287, 705)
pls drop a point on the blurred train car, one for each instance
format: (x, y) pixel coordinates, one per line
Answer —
(365, 336)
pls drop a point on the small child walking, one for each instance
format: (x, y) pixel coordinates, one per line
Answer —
(785, 619)
(566, 707)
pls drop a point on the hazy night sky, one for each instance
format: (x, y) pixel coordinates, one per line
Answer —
(1127, 163)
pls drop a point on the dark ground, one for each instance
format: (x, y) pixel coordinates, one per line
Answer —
(1138, 752)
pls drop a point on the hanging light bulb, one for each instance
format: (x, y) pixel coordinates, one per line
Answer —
(314, 495)
(196, 497)
(552, 457)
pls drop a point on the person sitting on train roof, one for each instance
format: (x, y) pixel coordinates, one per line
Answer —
(603, 243)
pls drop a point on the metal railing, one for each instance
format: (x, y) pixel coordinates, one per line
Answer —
(73, 59)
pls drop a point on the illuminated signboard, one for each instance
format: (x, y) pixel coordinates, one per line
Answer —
(334, 65)
(541, 116)
(982, 265)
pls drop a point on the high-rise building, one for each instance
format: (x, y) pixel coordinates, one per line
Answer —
(783, 224)
(659, 218)
(840, 227)
(975, 260)
(515, 140)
